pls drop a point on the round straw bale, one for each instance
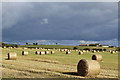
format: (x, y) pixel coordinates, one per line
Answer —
(42, 52)
(24, 53)
(62, 50)
(25, 48)
(97, 57)
(47, 52)
(37, 52)
(88, 67)
(94, 51)
(67, 52)
(4, 47)
(112, 52)
(52, 52)
(12, 56)
(65, 49)
(59, 49)
(87, 50)
(80, 52)
(76, 50)
(98, 51)
(10, 47)
(84, 51)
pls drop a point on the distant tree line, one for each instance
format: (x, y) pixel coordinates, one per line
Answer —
(8, 45)
(30, 44)
(35, 43)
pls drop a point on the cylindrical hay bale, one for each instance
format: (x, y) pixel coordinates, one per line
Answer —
(62, 50)
(87, 50)
(80, 52)
(76, 50)
(10, 47)
(88, 68)
(112, 52)
(24, 53)
(52, 52)
(42, 52)
(93, 51)
(59, 49)
(37, 52)
(40, 48)
(67, 52)
(47, 52)
(25, 48)
(4, 47)
(84, 51)
(97, 57)
(98, 51)
(65, 49)
(12, 56)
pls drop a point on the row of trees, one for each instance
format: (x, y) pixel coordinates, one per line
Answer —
(36, 43)
(8, 45)
(33, 44)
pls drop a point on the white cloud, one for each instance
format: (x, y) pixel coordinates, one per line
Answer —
(88, 42)
(44, 21)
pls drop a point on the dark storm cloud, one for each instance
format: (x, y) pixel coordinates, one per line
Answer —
(56, 21)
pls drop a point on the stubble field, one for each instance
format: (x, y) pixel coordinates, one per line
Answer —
(57, 65)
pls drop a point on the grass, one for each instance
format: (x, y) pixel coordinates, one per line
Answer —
(68, 47)
(58, 65)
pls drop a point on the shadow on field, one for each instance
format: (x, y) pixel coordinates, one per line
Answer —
(6, 59)
(71, 73)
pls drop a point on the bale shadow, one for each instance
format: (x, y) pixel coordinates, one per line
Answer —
(6, 58)
(71, 73)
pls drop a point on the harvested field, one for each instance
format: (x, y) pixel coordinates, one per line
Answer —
(58, 65)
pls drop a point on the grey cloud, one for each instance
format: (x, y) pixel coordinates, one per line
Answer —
(89, 21)
(0, 22)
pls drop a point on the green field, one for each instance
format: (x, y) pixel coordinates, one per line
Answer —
(57, 65)
(68, 47)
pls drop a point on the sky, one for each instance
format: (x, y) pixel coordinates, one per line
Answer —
(59, 21)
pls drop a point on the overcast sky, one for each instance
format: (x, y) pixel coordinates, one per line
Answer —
(60, 21)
